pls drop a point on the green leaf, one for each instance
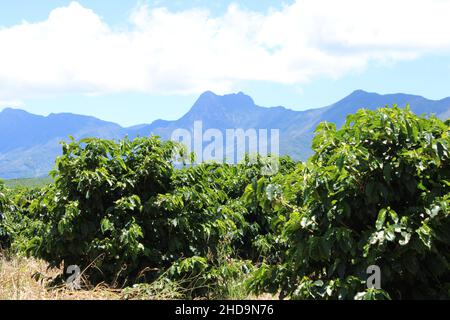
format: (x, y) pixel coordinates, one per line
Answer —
(381, 219)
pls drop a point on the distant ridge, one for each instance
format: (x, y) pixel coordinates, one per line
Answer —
(29, 143)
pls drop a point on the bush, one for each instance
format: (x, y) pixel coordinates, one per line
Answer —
(3, 235)
(222, 277)
(376, 192)
(123, 212)
(100, 211)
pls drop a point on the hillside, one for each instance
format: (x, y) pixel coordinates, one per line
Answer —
(29, 143)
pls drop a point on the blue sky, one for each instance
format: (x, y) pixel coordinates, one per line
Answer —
(117, 11)
(136, 61)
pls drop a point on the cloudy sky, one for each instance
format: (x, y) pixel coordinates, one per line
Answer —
(134, 61)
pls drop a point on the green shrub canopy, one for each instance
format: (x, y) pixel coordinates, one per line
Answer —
(122, 210)
(376, 192)
(3, 234)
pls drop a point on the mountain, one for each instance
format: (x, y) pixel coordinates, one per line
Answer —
(296, 127)
(29, 143)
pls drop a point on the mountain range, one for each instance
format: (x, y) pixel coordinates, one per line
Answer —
(29, 143)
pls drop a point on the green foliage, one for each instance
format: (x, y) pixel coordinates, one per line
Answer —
(122, 211)
(3, 235)
(10, 215)
(101, 212)
(219, 276)
(376, 192)
(268, 212)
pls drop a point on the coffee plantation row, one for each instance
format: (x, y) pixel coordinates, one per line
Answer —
(375, 193)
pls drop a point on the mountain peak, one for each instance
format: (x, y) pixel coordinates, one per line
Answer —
(12, 111)
(358, 92)
(208, 94)
(218, 109)
(8, 114)
(211, 102)
(358, 96)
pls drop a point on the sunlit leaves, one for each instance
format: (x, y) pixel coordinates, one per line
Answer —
(120, 207)
(374, 192)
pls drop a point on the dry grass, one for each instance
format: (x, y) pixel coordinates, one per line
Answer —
(30, 279)
(18, 281)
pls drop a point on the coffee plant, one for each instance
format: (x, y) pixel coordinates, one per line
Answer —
(3, 235)
(376, 192)
(122, 212)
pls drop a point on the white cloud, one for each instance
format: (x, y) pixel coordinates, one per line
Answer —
(163, 52)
